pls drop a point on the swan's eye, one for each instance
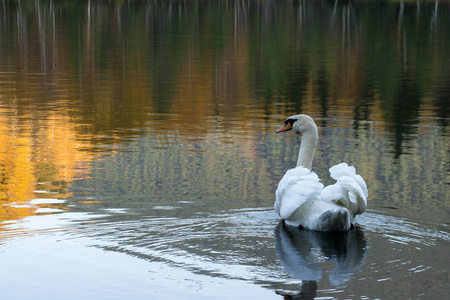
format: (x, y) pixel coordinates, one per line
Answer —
(290, 121)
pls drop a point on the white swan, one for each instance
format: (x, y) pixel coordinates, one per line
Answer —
(302, 200)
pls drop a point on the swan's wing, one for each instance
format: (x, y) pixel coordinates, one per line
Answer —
(350, 190)
(343, 169)
(297, 186)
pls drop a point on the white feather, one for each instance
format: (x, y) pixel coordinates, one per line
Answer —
(296, 187)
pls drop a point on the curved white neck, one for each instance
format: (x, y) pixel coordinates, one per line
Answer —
(307, 148)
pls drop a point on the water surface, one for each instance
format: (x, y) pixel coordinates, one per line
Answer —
(139, 159)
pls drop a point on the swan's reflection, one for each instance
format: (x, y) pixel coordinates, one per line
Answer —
(306, 255)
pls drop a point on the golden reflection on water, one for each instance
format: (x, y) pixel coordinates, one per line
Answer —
(39, 157)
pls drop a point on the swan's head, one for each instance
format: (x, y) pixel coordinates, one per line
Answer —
(300, 123)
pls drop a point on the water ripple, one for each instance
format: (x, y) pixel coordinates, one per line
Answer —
(245, 245)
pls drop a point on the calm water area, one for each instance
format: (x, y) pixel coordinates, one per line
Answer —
(139, 159)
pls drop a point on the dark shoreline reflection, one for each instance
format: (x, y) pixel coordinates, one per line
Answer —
(310, 256)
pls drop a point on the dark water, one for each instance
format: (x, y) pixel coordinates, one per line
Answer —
(139, 160)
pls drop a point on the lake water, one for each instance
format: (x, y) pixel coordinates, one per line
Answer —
(139, 160)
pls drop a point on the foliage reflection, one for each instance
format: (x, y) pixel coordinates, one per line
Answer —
(81, 78)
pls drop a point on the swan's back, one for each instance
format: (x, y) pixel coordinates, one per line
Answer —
(302, 201)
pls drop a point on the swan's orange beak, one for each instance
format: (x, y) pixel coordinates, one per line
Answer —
(286, 127)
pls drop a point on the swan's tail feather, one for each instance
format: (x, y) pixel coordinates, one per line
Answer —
(335, 220)
(350, 190)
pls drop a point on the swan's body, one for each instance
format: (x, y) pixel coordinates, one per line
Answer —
(302, 200)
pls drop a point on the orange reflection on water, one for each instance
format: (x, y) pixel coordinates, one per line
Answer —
(39, 157)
